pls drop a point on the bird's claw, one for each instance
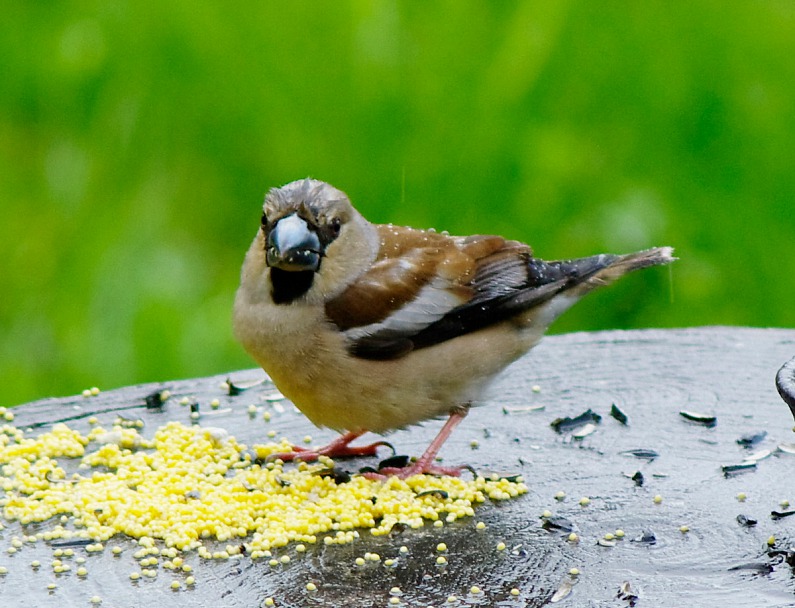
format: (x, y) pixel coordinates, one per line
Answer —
(331, 451)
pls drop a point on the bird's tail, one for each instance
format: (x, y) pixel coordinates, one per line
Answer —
(569, 280)
(622, 264)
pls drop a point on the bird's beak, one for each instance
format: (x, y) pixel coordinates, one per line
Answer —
(293, 246)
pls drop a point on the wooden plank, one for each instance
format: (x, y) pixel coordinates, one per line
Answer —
(649, 375)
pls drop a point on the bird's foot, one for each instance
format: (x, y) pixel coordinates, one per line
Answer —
(417, 468)
(339, 448)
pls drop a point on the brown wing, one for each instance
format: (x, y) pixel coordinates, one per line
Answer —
(425, 288)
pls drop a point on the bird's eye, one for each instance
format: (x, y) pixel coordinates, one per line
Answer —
(336, 225)
(264, 220)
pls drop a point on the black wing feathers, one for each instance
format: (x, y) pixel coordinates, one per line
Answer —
(505, 284)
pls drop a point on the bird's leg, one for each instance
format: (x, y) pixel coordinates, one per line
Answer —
(339, 448)
(425, 463)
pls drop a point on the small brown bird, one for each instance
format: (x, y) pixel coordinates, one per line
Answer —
(377, 327)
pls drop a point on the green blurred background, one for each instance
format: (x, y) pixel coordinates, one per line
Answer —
(137, 140)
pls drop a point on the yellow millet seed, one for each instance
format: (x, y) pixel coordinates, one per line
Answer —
(95, 599)
(574, 572)
(441, 547)
(515, 592)
(242, 495)
(658, 499)
(394, 600)
(311, 587)
(684, 529)
(585, 501)
(500, 546)
(268, 601)
(175, 585)
(190, 581)
(441, 560)
(620, 533)
(741, 497)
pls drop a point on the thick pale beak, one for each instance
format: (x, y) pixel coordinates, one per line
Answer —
(292, 246)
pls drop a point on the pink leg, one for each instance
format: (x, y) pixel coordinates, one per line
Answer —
(339, 448)
(424, 464)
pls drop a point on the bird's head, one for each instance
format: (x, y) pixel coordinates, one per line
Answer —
(313, 237)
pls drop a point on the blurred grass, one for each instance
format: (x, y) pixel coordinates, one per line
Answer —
(137, 141)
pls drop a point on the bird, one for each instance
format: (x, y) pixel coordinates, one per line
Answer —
(375, 327)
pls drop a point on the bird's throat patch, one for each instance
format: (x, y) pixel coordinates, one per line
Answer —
(287, 286)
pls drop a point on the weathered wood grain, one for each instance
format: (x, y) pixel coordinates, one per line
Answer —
(649, 375)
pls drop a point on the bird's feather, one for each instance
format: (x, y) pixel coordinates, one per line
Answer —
(426, 287)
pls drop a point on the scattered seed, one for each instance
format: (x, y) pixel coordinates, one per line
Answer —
(705, 419)
(731, 470)
(562, 593)
(618, 414)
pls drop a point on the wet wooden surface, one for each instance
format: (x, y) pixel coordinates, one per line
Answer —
(650, 375)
